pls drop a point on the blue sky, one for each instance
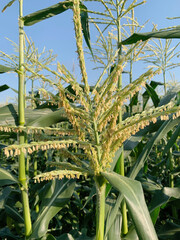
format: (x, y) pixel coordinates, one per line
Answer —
(57, 33)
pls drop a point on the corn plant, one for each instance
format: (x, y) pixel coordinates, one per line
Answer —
(93, 139)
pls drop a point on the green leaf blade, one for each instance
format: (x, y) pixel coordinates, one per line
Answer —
(165, 34)
(57, 195)
(8, 5)
(7, 178)
(46, 13)
(56, 9)
(4, 87)
(133, 194)
(4, 69)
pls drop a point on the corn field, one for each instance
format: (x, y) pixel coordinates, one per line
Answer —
(93, 162)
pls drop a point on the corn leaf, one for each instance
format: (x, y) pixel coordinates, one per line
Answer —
(7, 178)
(172, 140)
(115, 230)
(4, 87)
(163, 130)
(36, 117)
(5, 192)
(172, 192)
(169, 231)
(56, 9)
(150, 93)
(8, 5)
(4, 69)
(111, 215)
(49, 119)
(134, 196)
(46, 13)
(166, 34)
(13, 213)
(57, 195)
(131, 235)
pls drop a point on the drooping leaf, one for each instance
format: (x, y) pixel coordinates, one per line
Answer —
(6, 178)
(4, 87)
(34, 117)
(57, 195)
(134, 196)
(8, 5)
(56, 9)
(4, 69)
(166, 34)
(46, 13)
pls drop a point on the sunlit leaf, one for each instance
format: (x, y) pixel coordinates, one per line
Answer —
(49, 119)
(134, 196)
(172, 192)
(33, 117)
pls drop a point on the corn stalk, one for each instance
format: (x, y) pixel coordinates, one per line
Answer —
(21, 102)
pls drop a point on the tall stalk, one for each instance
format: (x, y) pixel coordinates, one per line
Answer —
(121, 158)
(22, 165)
